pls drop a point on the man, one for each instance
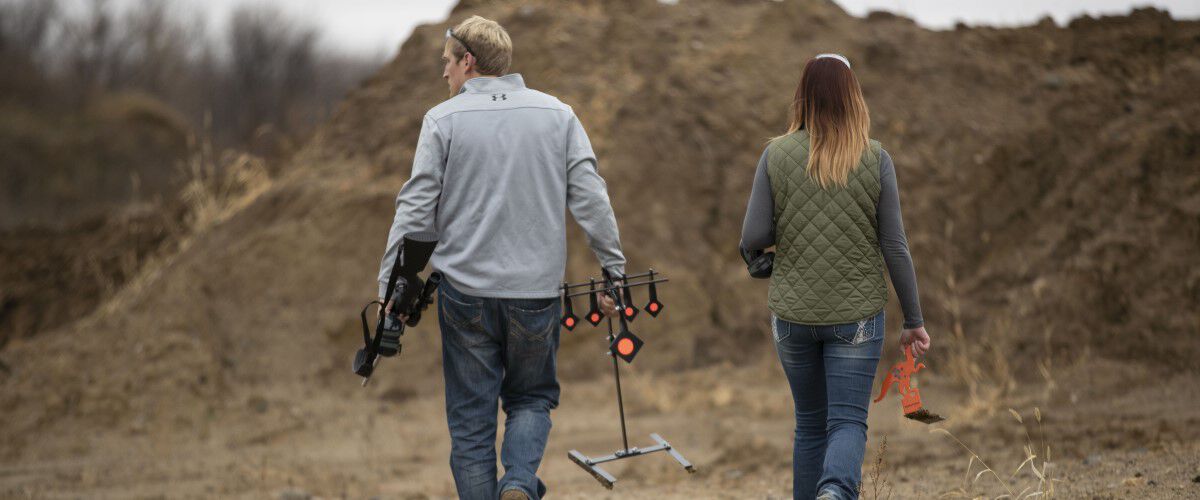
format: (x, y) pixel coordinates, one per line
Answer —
(496, 168)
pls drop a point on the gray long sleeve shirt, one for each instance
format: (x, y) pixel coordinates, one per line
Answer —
(758, 232)
(496, 169)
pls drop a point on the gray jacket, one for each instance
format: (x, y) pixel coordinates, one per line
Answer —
(496, 168)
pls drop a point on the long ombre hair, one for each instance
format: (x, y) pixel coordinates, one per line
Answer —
(829, 105)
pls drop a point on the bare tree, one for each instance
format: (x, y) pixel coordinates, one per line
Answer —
(265, 73)
(158, 48)
(25, 26)
(272, 64)
(24, 37)
(259, 86)
(90, 47)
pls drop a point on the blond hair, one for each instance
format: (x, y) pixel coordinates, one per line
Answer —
(490, 45)
(829, 104)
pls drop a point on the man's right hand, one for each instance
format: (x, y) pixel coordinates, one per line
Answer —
(917, 337)
(388, 310)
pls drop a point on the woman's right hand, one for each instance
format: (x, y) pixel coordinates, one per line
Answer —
(917, 337)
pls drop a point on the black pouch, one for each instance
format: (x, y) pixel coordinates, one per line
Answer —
(758, 263)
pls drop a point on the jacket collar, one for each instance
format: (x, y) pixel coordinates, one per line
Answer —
(485, 84)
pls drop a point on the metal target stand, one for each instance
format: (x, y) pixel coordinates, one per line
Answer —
(622, 344)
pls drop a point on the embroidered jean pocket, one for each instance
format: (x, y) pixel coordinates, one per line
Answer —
(464, 317)
(856, 333)
(780, 331)
(531, 322)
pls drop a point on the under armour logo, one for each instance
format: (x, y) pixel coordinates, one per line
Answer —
(501, 97)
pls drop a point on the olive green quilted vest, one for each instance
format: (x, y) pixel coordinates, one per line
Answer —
(828, 265)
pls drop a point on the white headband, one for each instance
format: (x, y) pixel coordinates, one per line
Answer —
(834, 56)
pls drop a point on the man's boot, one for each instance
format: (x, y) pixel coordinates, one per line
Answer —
(514, 494)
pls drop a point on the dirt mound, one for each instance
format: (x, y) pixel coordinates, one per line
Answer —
(1048, 178)
(63, 166)
(53, 277)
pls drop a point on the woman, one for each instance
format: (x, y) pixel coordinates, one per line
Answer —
(825, 196)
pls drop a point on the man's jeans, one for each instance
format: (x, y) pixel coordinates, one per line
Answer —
(830, 369)
(498, 349)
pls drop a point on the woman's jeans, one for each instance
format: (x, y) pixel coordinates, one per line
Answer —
(498, 349)
(830, 369)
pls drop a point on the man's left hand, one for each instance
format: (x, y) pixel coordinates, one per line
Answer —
(607, 305)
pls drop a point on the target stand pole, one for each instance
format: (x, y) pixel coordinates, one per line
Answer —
(617, 377)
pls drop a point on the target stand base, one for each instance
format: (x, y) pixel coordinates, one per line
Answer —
(592, 465)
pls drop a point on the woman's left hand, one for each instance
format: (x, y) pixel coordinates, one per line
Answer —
(917, 337)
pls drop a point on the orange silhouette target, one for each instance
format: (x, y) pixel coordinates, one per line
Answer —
(901, 375)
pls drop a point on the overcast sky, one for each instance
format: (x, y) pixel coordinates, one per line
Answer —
(379, 26)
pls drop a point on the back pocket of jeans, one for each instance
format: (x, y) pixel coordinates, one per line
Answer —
(531, 322)
(780, 330)
(461, 314)
(856, 333)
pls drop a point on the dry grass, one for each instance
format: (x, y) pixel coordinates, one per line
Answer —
(215, 187)
(881, 484)
(1036, 484)
(981, 363)
(219, 185)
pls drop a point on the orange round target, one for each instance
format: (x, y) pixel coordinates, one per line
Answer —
(629, 311)
(625, 347)
(595, 317)
(653, 307)
(570, 321)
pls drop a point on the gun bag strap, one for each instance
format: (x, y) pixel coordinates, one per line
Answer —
(373, 345)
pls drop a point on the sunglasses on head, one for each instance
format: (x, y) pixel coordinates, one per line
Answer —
(450, 34)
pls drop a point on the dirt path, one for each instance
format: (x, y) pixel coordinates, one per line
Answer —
(734, 423)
